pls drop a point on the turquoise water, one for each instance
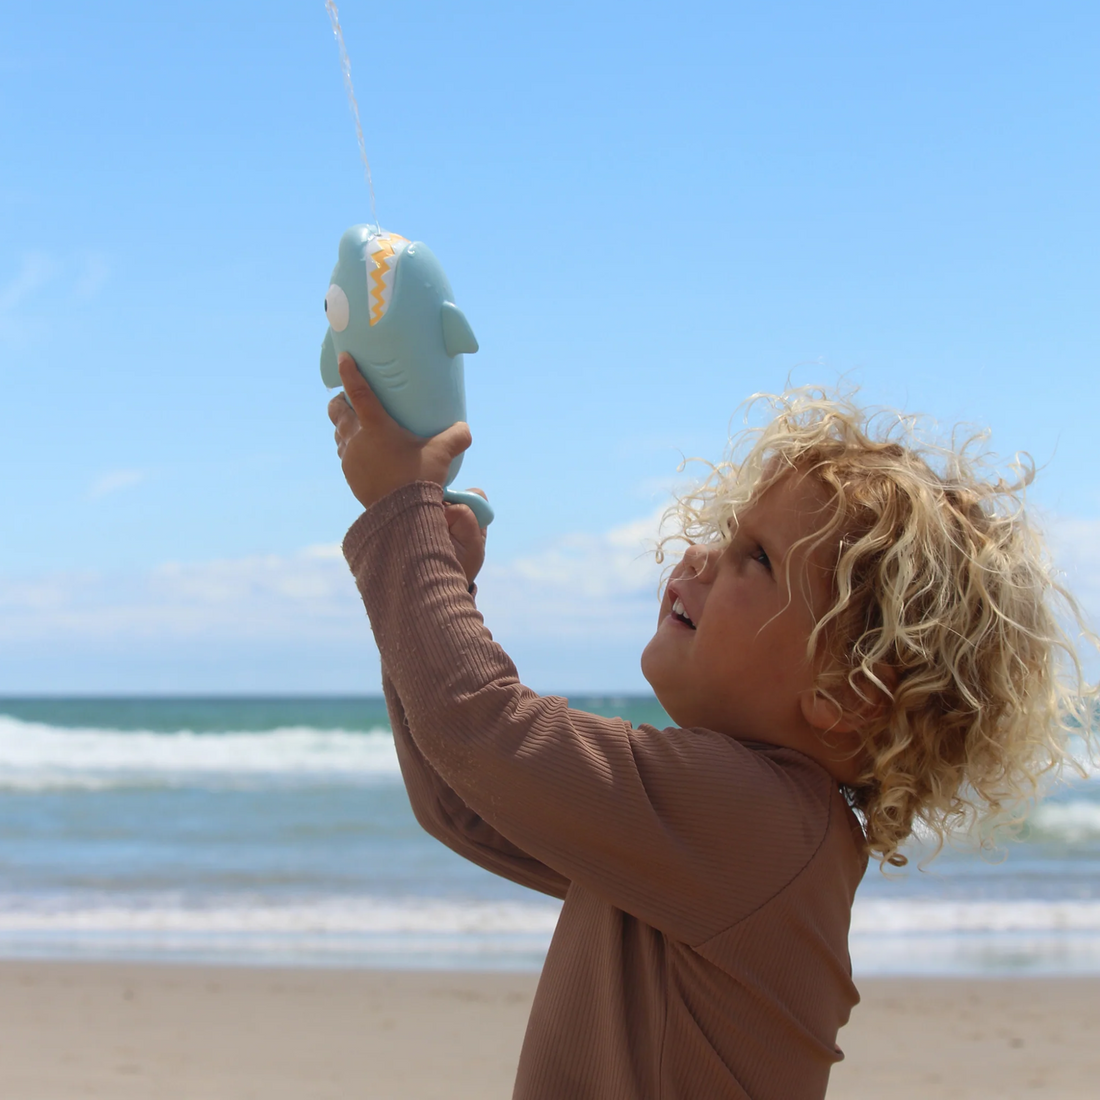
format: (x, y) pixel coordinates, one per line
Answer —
(270, 830)
(261, 715)
(244, 830)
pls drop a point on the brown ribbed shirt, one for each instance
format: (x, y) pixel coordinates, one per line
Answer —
(702, 948)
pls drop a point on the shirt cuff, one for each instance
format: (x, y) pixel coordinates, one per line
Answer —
(417, 494)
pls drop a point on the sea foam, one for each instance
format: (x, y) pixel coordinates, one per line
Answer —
(365, 915)
(1071, 821)
(334, 916)
(35, 757)
(918, 916)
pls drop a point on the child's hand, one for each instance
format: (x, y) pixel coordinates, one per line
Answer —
(377, 454)
(467, 538)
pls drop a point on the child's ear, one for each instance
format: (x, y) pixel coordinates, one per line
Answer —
(856, 709)
(824, 713)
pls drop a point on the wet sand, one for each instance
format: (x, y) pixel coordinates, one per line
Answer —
(126, 1031)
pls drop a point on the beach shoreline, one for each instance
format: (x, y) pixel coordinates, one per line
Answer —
(130, 1030)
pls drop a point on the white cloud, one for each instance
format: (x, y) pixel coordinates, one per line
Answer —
(36, 270)
(265, 597)
(599, 586)
(583, 592)
(114, 481)
(574, 614)
(1075, 544)
(34, 290)
(94, 271)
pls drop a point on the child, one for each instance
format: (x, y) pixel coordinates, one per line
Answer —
(851, 643)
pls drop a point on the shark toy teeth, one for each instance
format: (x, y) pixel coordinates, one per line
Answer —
(390, 306)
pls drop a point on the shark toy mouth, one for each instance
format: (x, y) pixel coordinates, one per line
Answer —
(383, 249)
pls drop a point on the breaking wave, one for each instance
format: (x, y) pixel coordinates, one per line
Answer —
(39, 757)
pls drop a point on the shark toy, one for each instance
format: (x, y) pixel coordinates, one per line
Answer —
(391, 307)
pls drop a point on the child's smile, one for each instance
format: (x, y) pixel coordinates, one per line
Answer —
(679, 613)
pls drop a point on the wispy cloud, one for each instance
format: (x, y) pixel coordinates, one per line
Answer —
(600, 585)
(35, 271)
(1076, 547)
(115, 481)
(308, 594)
(78, 277)
(592, 585)
(93, 271)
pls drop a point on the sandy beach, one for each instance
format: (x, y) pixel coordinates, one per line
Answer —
(126, 1031)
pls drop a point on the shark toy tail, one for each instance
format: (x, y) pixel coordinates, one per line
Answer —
(477, 504)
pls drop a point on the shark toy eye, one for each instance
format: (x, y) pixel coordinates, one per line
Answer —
(337, 309)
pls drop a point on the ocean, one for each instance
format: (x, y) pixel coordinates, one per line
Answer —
(277, 831)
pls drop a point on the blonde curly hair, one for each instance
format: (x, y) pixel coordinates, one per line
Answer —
(944, 625)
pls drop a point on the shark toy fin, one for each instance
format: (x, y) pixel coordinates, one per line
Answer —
(330, 374)
(458, 337)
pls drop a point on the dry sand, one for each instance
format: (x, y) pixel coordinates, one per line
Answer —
(123, 1031)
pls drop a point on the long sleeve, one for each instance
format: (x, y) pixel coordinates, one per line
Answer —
(702, 943)
(444, 815)
(689, 830)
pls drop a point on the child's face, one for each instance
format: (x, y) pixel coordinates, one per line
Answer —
(729, 653)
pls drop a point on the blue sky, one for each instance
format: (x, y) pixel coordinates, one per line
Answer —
(648, 212)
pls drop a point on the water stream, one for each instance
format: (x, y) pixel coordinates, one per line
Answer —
(345, 68)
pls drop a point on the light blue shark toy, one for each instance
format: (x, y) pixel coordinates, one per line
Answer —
(390, 305)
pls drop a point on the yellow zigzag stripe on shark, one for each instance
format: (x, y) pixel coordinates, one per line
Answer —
(382, 254)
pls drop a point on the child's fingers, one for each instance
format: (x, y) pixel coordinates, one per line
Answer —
(451, 442)
(359, 395)
(467, 538)
(484, 496)
(343, 416)
(461, 524)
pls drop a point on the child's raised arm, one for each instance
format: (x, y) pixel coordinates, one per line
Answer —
(443, 815)
(689, 830)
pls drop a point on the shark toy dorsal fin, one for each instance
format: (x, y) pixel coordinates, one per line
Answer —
(458, 337)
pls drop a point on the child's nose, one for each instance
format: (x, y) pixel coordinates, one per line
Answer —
(699, 561)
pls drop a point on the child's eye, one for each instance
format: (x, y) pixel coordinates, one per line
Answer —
(759, 555)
